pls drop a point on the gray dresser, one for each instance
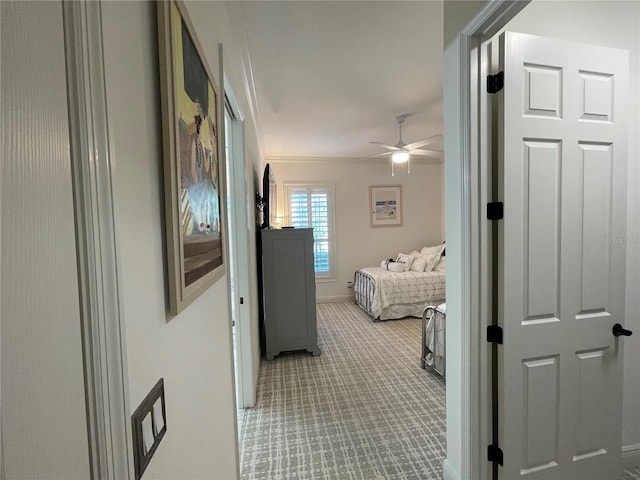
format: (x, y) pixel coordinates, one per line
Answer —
(289, 288)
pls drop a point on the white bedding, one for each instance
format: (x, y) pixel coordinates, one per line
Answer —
(397, 295)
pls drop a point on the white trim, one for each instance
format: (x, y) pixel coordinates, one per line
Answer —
(630, 456)
(357, 160)
(326, 280)
(232, 257)
(2, 469)
(224, 195)
(242, 244)
(336, 299)
(447, 472)
(475, 395)
(103, 330)
(233, 101)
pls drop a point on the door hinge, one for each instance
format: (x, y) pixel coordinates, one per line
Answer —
(495, 83)
(494, 454)
(241, 300)
(495, 210)
(494, 334)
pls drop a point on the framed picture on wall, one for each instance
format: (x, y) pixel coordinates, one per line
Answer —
(385, 206)
(193, 170)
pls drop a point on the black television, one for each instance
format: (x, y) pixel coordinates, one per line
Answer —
(269, 198)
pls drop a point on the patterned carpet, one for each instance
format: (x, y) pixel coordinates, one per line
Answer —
(631, 474)
(362, 410)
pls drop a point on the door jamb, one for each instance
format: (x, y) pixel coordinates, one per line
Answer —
(244, 330)
(102, 320)
(475, 296)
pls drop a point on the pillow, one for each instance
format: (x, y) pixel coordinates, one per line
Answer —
(441, 265)
(419, 263)
(385, 263)
(433, 263)
(436, 252)
(430, 262)
(395, 267)
(406, 259)
(431, 250)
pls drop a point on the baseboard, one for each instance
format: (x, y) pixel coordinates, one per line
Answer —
(631, 456)
(336, 299)
(447, 471)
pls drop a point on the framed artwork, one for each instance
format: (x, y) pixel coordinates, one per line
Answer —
(193, 170)
(385, 206)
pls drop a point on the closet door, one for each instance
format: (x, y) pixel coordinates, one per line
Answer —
(561, 272)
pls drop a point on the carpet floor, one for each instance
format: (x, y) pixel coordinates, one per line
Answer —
(363, 410)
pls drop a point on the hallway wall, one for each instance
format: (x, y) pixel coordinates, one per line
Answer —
(191, 351)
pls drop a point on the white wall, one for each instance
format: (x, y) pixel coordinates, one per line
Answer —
(357, 244)
(191, 351)
(610, 24)
(44, 429)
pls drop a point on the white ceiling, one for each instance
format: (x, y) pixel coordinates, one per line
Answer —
(330, 76)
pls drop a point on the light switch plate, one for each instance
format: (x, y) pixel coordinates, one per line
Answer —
(148, 439)
(158, 417)
(149, 424)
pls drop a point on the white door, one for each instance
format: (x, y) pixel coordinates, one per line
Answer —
(561, 269)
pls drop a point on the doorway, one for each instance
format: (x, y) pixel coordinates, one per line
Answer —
(237, 219)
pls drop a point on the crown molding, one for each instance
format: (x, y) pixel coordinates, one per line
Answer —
(352, 160)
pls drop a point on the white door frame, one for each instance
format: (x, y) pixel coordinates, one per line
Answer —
(467, 143)
(242, 246)
(103, 330)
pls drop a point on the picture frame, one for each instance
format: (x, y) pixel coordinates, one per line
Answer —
(193, 159)
(385, 206)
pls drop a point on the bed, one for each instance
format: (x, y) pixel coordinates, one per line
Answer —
(386, 295)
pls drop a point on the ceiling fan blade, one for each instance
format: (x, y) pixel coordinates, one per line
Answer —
(425, 153)
(390, 147)
(380, 155)
(423, 142)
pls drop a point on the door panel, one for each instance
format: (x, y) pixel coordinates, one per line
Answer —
(541, 402)
(593, 380)
(562, 164)
(541, 214)
(596, 164)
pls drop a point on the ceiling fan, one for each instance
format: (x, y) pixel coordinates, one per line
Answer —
(401, 152)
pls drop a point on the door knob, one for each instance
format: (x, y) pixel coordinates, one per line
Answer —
(620, 330)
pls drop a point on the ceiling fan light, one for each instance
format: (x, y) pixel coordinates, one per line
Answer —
(400, 156)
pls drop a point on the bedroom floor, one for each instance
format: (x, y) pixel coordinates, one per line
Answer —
(364, 409)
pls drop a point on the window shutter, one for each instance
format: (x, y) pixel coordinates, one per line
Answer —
(309, 207)
(299, 208)
(320, 223)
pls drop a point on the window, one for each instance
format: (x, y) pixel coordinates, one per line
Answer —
(311, 206)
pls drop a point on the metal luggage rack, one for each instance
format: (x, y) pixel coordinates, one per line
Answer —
(433, 329)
